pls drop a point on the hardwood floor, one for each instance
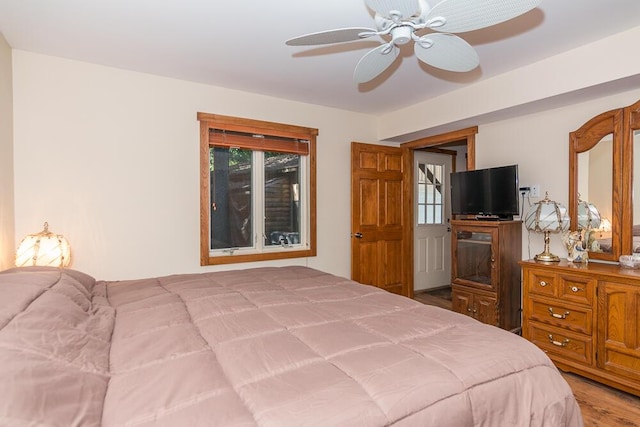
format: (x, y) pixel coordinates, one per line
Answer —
(601, 406)
(604, 406)
(440, 297)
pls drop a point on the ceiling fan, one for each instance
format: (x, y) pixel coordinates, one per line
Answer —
(403, 19)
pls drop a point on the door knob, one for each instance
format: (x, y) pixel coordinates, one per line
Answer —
(358, 235)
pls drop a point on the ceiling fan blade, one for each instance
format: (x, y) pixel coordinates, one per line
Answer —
(375, 62)
(446, 51)
(458, 16)
(332, 36)
(406, 8)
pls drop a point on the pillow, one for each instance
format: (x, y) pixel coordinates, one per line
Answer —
(636, 230)
(87, 281)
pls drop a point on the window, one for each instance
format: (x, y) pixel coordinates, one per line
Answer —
(257, 190)
(430, 197)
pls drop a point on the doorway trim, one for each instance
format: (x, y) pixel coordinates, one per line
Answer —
(468, 135)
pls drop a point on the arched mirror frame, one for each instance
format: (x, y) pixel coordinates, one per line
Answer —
(621, 124)
(631, 141)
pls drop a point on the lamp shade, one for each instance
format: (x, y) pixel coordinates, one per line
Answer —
(588, 215)
(44, 249)
(547, 215)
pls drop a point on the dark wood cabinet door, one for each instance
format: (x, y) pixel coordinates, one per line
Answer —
(462, 302)
(486, 309)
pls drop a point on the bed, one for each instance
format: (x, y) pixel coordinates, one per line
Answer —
(276, 346)
(604, 244)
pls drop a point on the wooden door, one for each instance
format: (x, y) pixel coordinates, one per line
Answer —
(431, 225)
(378, 255)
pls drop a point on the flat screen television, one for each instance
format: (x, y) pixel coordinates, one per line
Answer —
(490, 193)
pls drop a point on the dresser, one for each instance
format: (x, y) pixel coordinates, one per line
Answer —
(586, 317)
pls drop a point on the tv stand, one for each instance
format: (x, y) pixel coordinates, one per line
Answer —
(494, 217)
(485, 271)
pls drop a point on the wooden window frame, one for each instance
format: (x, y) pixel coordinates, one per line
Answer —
(219, 122)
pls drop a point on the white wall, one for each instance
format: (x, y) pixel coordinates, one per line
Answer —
(110, 159)
(7, 236)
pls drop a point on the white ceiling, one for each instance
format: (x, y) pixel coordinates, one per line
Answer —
(240, 44)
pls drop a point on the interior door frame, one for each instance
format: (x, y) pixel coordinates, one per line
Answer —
(468, 135)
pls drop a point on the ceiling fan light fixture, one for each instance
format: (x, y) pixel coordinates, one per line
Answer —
(401, 35)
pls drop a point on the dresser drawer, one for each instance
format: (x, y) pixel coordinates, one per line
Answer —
(578, 289)
(541, 283)
(561, 344)
(557, 313)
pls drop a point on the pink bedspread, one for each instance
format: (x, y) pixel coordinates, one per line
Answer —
(270, 347)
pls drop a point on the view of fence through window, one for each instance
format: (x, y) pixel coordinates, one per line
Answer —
(235, 175)
(282, 198)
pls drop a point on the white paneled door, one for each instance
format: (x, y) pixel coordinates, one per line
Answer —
(432, 232)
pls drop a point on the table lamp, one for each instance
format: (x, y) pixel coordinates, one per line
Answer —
(547, 217)
(588, 215)
(44, 249)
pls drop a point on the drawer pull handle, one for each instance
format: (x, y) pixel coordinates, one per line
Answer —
(576, 289)
(542, 283)
(558, 343)
(557, 315)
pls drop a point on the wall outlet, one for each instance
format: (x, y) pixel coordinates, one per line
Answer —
(535, 190)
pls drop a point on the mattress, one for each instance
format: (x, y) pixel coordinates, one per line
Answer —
(287, 346)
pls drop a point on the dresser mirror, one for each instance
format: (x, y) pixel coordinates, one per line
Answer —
(601, 164)
(636, 177)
